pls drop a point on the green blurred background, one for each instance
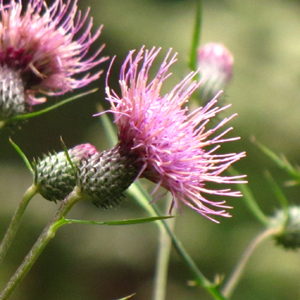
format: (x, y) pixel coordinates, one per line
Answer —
(90, 262)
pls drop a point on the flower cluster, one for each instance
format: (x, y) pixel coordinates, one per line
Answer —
(158, 138)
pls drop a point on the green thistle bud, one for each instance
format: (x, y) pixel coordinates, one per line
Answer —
(103, 177)
(289, 236)
(55, 176)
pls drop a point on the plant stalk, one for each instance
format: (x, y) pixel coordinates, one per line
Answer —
(143, 198)
(47, 234)
(16, 220)
(163, 258)
(233, 280)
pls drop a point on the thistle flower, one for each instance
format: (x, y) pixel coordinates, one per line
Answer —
(215, 63)
(39, 52)
(54, 174)
(162, 142)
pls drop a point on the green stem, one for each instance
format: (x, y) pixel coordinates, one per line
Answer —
(163, 258)
(143, 199)
(210, 287)
(47, 234)
(16, 220)
(196, 37)
(238, 271)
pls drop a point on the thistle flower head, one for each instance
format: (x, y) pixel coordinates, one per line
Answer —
(172, 147)
(215, 63)
(54, 174)
(42, 48)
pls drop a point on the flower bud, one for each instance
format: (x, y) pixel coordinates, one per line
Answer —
(54, 175)
(289, 236)
(215, 63)
(103, 177)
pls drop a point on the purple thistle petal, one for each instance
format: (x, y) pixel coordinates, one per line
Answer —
(39, 42)
(168, 142)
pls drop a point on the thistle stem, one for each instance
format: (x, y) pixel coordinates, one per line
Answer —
(143, 198)
(16, 220)
(47, 234)
(163, 257)
(196, 37)
(233, 280)
(209, 286)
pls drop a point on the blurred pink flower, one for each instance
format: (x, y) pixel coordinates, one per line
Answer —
(172, 147)
(44, 48)
(216, 69)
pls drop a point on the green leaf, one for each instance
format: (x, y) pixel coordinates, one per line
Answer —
(68, 156)
(21, 153)
(278, 192)
(281, 162)
(130, 296)
(52, 107)
(121, 222)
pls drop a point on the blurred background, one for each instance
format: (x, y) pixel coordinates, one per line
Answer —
(94, 262)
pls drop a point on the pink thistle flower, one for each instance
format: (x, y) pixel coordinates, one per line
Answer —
(41, 47)
(172, 147)
(216, 69)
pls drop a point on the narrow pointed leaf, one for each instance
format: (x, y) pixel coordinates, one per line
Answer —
(52, 107)
(21, 153)
(121, 222)
(67, 155)
(281, 162)
(130, 296)
(278, 192)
